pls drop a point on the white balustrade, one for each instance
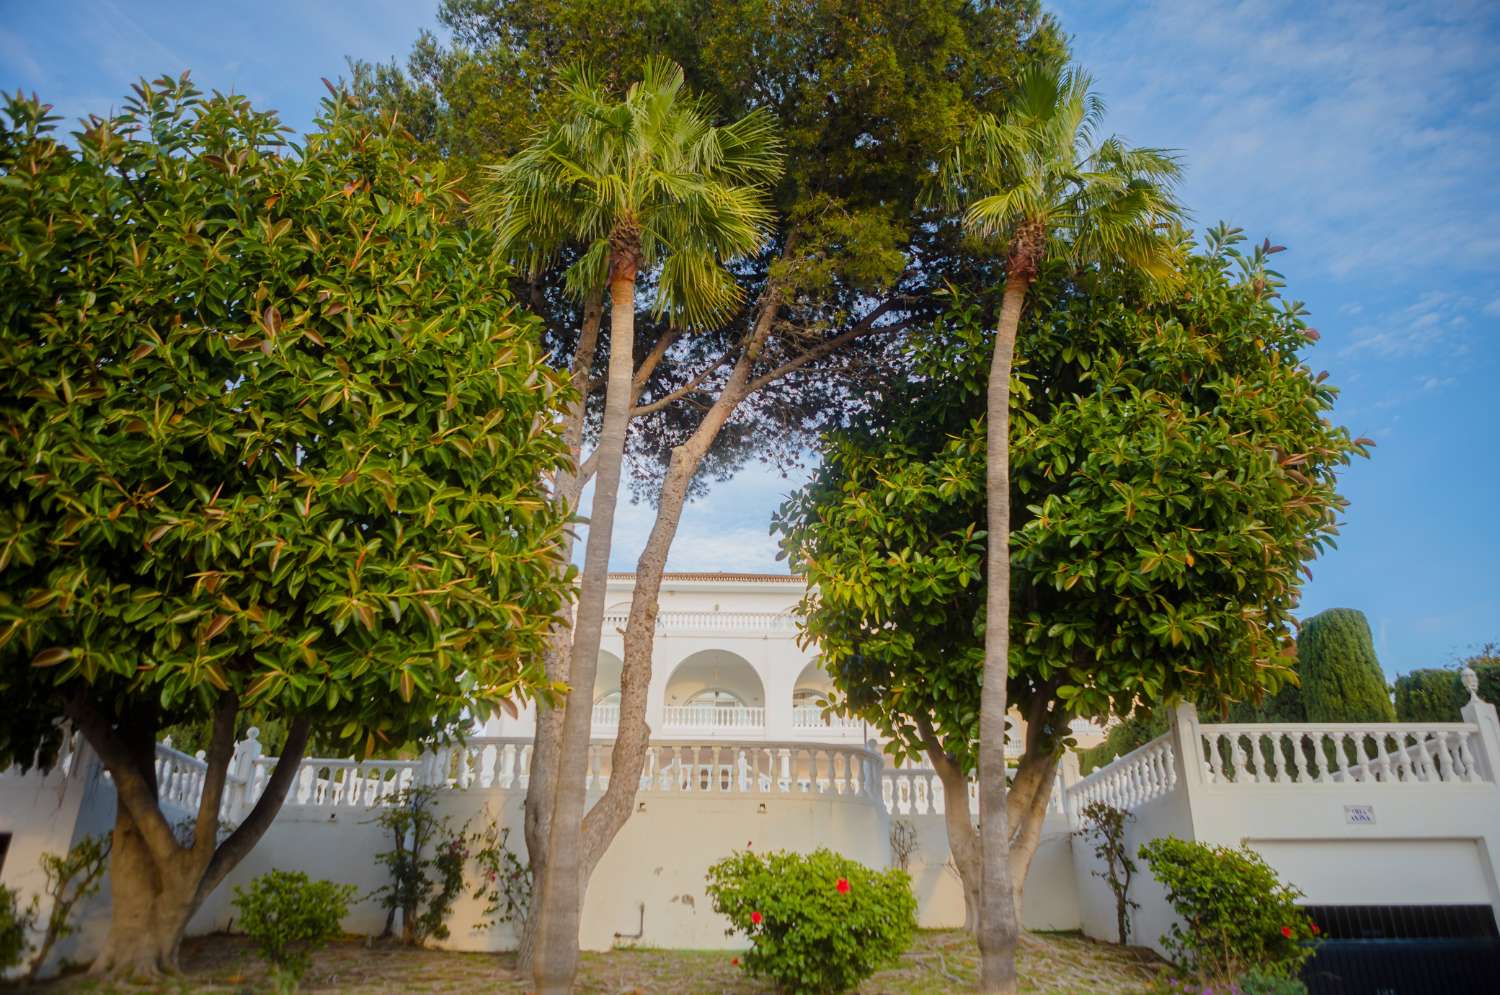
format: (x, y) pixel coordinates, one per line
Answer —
(760, 768)
(813, 717)
(179, 777)
(708, 621)
(712, 718)
(1325, 753)
(607, 715)
(1130, 781)
(913, 790)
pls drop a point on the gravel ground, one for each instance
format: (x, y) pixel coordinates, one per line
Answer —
(938, 962)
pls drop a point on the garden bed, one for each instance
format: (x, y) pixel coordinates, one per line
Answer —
(938, 962)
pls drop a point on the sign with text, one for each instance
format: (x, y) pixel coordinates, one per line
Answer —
(1359, 815)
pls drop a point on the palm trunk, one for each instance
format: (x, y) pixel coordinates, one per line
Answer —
(547, 743)
(628, 756)
(999, 927)
(562, 883)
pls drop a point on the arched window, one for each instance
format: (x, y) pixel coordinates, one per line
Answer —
(717, 697)
(608, 698)
(808, 697)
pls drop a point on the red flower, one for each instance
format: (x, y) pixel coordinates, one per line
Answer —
(1315, 929)
(1286, 931)
(735, 961)
(756, 918)
(843, 886)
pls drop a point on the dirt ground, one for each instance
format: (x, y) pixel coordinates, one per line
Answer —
(938, 962)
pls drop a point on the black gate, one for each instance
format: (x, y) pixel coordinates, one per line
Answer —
(1404, 950)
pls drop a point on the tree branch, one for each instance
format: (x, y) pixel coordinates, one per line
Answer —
(653, 359)
(681, 392)
(864, 326)
(254, 826)
(220, 750)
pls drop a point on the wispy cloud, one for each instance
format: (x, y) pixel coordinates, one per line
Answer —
(1363, 132)
(1437, 320)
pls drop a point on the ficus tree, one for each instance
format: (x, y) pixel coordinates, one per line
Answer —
(640, 186)
(272, 441)
(1173, 470)
(1037, 182)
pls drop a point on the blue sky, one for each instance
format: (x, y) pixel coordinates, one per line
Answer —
(1364, 136)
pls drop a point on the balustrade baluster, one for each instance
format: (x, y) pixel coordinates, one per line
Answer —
(1466, 756)
(1445, 761)
(1242, 772)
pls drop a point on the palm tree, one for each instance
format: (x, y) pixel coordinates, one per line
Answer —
(643, 185)
(1035, 183)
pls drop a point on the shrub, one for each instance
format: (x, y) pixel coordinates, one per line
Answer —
(426, 863)
(1104, 826)
(288, 916)
(1341, 676)
(1238, 915)
(818, 922)
(72, 878)
(15, 924)
(1430, 695)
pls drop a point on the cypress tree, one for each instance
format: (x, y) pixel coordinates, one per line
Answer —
(1430, 695)
(1341, 676)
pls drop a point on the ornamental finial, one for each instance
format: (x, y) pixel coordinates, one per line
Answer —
(1471, 682)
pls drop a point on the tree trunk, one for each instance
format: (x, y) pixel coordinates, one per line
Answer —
(561, 893)
(157, 882)
(628, 756)
(541, 781)
(963, 838)
(999, 928)
(1027, 817)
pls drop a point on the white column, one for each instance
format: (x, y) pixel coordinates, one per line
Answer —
(1187, 758)
(778, 665)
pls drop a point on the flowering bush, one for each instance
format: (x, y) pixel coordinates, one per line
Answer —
(818, 923)
(1239, 920)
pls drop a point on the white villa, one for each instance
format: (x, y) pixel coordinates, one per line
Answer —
(726, 666)
(1359, 816)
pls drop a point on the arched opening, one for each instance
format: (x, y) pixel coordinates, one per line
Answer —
(607, 692)
(714, 691)
(810, 695)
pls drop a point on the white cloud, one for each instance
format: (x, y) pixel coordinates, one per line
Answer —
(1361, 135)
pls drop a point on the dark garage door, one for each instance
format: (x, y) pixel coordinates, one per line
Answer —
(1405, 950)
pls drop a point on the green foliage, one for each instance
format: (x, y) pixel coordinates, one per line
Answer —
(72, 878)
(274, 428)
(426, 865)
(1173, 468)
(16, 921)
(1237, 915)
(645, 183)
(1430, 695)
(1438, 694)
(1104, 826)
(819, 922)
(1036, 179)
(1341, 676)
(1255, 982)
(289, 916)
(863, 94)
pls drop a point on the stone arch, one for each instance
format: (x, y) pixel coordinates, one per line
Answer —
(715, 671)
